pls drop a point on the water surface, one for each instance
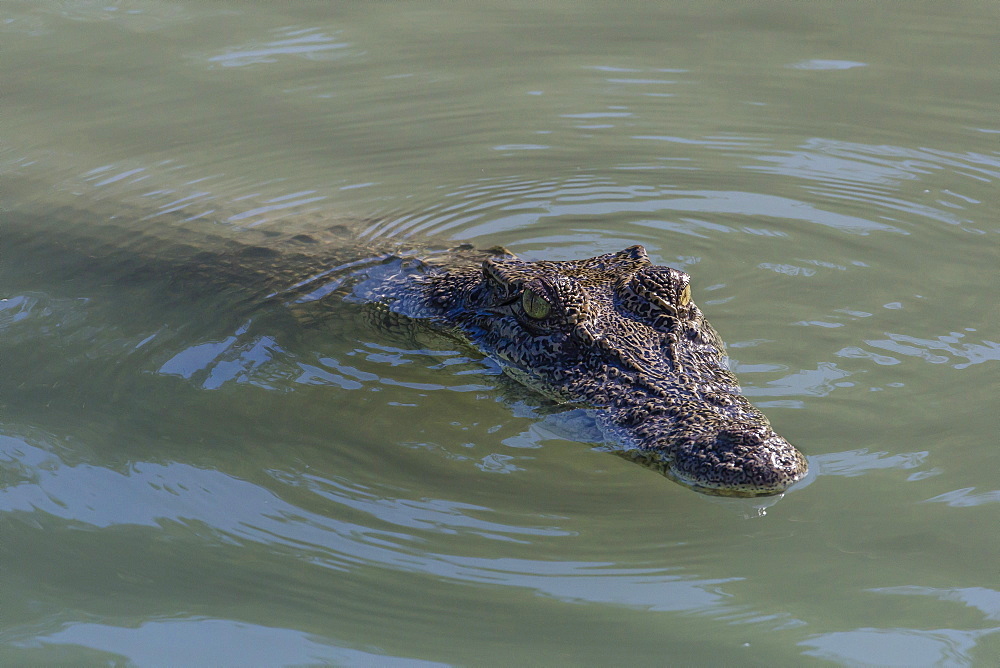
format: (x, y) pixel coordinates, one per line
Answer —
(185, 480)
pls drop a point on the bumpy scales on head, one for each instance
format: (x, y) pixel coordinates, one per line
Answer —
(621, 335)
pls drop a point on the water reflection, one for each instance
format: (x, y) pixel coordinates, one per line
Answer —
(860, 461)
(216, 508)
(897, 647)
(197, 641)
(228, 360)
(308, 43)
(817, 64)
(912, 646)
(929, 349)
(966, 497)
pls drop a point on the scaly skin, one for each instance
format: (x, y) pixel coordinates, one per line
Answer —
(619, 335)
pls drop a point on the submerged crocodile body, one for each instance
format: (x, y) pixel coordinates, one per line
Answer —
(613, 333)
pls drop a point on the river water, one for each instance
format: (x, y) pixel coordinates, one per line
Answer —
(184, 484)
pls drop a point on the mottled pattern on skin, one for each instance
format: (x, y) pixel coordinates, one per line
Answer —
(620, 335)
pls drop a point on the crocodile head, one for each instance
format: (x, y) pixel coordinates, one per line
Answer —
(620, 335)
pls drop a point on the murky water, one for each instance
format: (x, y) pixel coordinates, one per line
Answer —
(188, 480)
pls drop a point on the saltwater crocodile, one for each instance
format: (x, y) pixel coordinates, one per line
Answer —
(615, 333)
(620, 335)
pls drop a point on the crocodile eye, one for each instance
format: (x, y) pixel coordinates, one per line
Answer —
(535, 305)
(685, 296)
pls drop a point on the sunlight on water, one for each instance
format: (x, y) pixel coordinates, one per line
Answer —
(201, 468)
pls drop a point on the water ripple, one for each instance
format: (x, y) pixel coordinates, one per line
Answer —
(216, 508)
(201, 641)
(304, 43)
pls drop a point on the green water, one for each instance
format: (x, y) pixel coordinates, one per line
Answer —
(186, 483)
